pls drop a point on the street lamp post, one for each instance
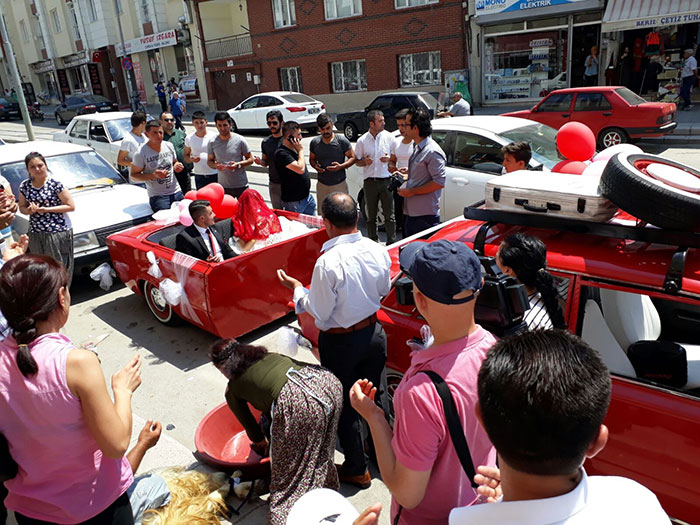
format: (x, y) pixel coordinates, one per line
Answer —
(131, 77)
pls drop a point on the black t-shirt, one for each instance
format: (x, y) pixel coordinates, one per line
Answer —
(269, 146)
(295, 187)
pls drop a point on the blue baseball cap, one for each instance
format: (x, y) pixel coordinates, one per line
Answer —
(442, 269)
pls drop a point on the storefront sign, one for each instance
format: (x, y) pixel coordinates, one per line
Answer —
(78, 59)
(144, 43)
(668, 20)
(95, 83)
(539, 56)
(43, 67)
(542, 42)
(489, 7)
(63, 81)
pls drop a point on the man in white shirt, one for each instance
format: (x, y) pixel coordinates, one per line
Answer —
(202, 239)
(459, 107)
(349, 280)
(197, 152)
(543, 396)
(373, 152)
(689, 76)
(133, 140)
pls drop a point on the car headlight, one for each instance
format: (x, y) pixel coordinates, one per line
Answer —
(85, 241)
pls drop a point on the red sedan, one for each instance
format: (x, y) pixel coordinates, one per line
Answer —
(615, 114)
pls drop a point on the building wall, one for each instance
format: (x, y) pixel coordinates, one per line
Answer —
(222, 18)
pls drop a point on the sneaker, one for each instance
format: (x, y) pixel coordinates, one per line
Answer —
(687, 108)
(362, 481)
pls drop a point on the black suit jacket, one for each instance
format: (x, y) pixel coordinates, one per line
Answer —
(190, 241)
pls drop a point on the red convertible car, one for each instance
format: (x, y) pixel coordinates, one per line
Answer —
(615, 114)
(229, 298)
(621, 284)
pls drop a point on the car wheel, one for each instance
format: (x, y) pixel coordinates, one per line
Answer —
(159, 307)
(234, 127)
(350, 131)
(393, 378)
(654, 189)
(59, 120)
(611, 137)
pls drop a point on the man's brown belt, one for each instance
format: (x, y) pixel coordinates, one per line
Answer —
(354, 328)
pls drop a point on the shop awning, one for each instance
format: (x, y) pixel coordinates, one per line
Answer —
(639, 14)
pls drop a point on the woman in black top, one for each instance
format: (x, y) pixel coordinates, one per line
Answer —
(303, 403)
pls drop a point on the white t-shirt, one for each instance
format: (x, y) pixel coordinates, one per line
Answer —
(199, 146)
(599, 500)
(402, 152)
(131, 144)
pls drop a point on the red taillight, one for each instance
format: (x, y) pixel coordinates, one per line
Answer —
(2, 107)
(323, 106)
(295, 109)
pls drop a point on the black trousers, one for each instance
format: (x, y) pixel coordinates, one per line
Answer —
(118, 513)
(184, 180)
(353, 356)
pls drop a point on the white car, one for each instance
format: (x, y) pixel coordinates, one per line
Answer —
(473, 149)
(104, 202)
(101, 131)
(251, 113)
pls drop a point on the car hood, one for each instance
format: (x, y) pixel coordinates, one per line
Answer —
(523, 113)
(95, 207)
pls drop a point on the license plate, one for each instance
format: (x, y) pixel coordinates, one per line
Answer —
(104, 109)
(314, 110)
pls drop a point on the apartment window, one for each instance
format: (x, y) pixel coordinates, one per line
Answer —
(400, 4)
(420, 69)
(74, 22)
(120, 8)
(283, 13)
(291, 79)
(56, 21)
(92, 9)
(349, 76)
(23, 28)
(342, 8)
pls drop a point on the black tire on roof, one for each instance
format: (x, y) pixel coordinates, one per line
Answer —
(649, 199)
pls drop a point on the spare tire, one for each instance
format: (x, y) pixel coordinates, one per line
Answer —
(654, 189)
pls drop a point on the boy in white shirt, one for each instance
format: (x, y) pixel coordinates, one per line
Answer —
(196, 151)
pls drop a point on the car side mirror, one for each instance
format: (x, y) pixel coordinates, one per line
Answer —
(63, 104)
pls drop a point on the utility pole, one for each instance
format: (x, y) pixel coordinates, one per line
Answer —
(10, 56)
(135, 97)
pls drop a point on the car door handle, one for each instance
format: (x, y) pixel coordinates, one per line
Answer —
(566, 114)
(460, 181)
(607, 114)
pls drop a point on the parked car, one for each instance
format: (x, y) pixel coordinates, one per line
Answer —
(473, 149)
(250, 114)
(189, 86)
(209, 287)
(616, 291)
(615, 114)
(549, 85)
(82, 105)
(355, 123)
(9, 109)
(101, 131)
(104, 202)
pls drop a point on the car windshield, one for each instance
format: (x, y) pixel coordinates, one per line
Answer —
(630, 96)
(542, 140)
(430, 100)
(298, 98)
(118, 128)
(75, 170)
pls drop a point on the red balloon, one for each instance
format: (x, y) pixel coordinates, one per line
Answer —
(572, 167)
(227, 208)
(576, 141)
(191, 195)
(214, 193)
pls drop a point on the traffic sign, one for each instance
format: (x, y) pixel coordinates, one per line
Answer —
(127, 63)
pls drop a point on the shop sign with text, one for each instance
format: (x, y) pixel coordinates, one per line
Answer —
(488, 7)
(145, 43)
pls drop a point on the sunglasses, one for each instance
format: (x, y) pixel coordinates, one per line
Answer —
(273, 123)
(169, 119)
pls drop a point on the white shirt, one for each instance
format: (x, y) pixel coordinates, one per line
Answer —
(460, 108)
(688, 66)
(402, 152)
(537, 316)
(205, 235)
(131, 144)
(349, 280)
(375, 148)
(199, 146)
(598, 500)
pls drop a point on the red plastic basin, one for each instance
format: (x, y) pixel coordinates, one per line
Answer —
(222, 443)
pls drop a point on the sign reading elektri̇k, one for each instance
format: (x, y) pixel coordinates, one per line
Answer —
(488, 7)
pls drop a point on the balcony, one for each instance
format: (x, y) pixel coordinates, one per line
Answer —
(230, 46)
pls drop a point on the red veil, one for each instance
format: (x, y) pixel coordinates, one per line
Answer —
(254, 220)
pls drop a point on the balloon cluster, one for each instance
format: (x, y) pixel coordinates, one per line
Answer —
(224, 206)
(576, 142)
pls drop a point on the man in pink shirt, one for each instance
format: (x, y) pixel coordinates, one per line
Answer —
(418, 461)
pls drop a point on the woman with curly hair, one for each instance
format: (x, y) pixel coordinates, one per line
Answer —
(302, 401)
(525, 258)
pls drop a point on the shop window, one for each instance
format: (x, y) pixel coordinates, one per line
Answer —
(420, 69)
(342, 8)
(56, 21)
(349, 76)
(284, 13)
(400, 4)
(592, 102)
(474, 151)
(556, 102)
(290, 79)
(80, 129)
(23, 29)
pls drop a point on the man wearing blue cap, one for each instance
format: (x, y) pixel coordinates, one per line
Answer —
(418, 461)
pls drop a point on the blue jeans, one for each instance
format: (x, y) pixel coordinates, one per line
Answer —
(686, 84)
(163, 202)
(419, 223)
(306, 206)
(202, 180)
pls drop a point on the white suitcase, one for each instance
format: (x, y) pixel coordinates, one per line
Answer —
(553, 194)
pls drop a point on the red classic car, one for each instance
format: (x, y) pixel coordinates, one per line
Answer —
(615, 114)
(620, 284)
(229, 298)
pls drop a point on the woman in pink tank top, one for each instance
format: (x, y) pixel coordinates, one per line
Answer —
(66, 434)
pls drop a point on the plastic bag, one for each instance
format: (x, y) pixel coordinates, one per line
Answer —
(105, 275)
(287, 341)
(171, 291)
(154, 269)
(425, 341)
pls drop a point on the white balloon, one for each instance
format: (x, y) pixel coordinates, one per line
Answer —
(608, 153)
(595, 169)
(184, 204)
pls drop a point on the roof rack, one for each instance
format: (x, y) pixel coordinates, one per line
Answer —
(682, 240)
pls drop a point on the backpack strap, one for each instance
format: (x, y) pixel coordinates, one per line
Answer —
(454, 425)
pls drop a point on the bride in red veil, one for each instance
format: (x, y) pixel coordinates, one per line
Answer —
(254, 221)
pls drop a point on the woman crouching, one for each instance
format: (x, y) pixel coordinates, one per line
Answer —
(307, 402)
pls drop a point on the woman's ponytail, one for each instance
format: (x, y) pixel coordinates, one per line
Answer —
(545, 285)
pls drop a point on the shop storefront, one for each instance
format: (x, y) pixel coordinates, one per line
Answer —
(45, 71)
(76, 77)
(533, 47)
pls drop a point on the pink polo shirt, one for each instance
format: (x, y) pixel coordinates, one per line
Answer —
(421, 438)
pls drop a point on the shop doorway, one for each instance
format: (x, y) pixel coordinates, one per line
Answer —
(583, 39)
(232, 87)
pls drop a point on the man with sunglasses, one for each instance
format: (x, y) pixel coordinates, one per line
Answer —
(269, 145)
(177, 137)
